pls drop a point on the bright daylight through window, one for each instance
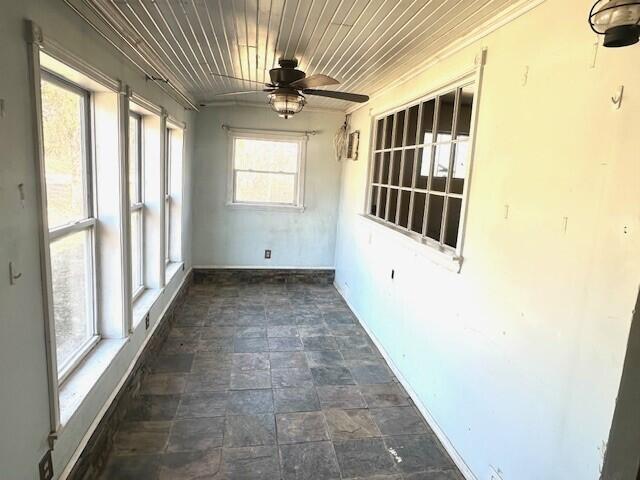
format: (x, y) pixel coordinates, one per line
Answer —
(420, 167)
(137, 206)
(65, 119)
(267, 171)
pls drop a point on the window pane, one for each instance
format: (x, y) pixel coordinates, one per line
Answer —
(266, 155)
(374, 201)
(441, 167)
(434, 216)
(418, 212)
(136, 249)
(379, 134)
(412, 126)
(399, 129)
(395, 168)
(71, 275)
(388, 130)
(63, 125)
(383, 203)
(422, 169)
(459, 167)
(464, 113)
(377, 160)
(265, 187)
(393, 204)
(167, 228)
(426, 127)
(386, 160)
(403, 216)
(454, 206)
(407, 168)
(134, 159)
(445, 117)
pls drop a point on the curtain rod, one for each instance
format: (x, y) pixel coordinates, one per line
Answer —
(245, 129)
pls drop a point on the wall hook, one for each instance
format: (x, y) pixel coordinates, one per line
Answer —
(617, 99)
(13, 276)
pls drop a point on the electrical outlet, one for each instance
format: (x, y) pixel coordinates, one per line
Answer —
(267, 254)
(146, 322)
(494, 474)
(46, 467)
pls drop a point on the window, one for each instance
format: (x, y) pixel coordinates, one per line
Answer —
(167, 196)
(137, 205)
(420, 166)
(70, 217)
(267, 170)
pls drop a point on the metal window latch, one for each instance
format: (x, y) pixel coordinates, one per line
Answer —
(12, 275)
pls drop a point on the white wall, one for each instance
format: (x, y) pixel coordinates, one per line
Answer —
(518, 357)
(24, 416)
(228, 236)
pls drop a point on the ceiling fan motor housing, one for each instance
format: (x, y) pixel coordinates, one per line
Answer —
(287, 72)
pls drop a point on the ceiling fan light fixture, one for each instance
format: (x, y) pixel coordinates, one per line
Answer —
(286, 103)
(617, 20)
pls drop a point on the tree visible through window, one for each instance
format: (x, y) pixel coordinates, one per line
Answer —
(267, 171)
(70, 217)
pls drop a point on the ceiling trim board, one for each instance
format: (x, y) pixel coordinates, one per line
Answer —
(498, 21)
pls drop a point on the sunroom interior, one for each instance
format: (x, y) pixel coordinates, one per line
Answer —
(320, 239)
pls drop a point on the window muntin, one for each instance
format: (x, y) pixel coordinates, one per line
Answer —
(70, 214)
(266, 171)
(419, 166)
(136, 204)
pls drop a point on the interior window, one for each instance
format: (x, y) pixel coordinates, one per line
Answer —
(420, 164)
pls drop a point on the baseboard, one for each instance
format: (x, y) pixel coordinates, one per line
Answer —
(279, 275)
(260, 267)
(71, 464)
(446, 443)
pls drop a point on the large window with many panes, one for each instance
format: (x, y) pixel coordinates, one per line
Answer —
(420, 166)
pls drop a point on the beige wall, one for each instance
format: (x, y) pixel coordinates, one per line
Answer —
(518, 357)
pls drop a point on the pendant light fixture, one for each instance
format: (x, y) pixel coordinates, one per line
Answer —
(617, 20)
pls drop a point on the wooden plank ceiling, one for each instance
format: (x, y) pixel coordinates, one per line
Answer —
(365, 44)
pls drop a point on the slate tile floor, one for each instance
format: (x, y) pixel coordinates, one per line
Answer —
(263, 381)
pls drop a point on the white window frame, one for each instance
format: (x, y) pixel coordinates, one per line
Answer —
(275, 136)
(86, 224)
(471, 78)
(137, 205)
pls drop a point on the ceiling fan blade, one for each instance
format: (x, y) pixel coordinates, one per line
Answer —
(237, 78)
(351, 97)
(229, 94)
(312, 81)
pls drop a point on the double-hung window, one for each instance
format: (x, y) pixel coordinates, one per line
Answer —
(167, 195)
(70, 217)
(137, 206)
(420, 167)
(267, 169)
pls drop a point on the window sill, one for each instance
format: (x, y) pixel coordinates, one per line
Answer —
(447, 259)
(266, 207)
(142, 305)
(79, 384)
(170, 271)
